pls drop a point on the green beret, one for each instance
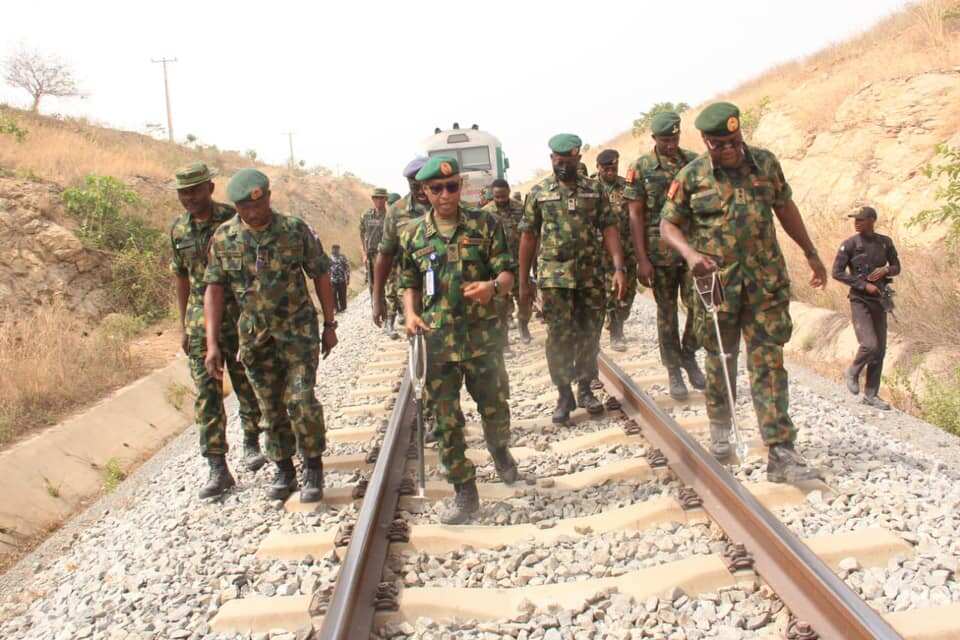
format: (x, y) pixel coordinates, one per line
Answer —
(191, 175)
(719, 119)
(247, 184)
(393, 197)
(665, 123)
(438, 167)
(565, 144)
(379, 192)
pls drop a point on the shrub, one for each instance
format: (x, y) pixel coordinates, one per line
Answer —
(10, 126)
(949, 194)
(941, 401)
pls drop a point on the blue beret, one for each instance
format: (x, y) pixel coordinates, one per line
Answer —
(410, 171)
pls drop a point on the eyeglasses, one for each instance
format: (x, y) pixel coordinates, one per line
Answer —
(452, 187)
(717, 145)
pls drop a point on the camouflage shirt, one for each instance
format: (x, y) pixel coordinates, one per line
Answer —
(265, 270)
(570, 224)
(476, 251)
(371, 230)
(730, 215)
(339, 268)
(396, 221)
(647, 180)
(190, 240)
(510, 219)
(618, 205)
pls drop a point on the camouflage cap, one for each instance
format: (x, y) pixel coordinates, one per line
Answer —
(410, 171)
(719, 119)
(393, 197)
(247, 184)
(191, 175)
(379, 192)
(438, 167)
(665, 123)
(864, 213)
(608, 156)
(565, 144)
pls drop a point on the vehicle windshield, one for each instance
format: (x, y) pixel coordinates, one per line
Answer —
(470, 158)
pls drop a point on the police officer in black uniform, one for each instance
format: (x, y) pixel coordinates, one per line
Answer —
(866, 262)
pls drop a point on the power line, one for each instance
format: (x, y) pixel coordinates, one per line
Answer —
(166, 91)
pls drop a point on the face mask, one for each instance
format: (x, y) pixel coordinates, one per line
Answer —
(564, 172)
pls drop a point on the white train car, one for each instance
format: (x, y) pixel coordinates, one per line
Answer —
(478, 153)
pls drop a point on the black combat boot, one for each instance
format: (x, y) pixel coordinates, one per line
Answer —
(505, 465)
(312, 489)
(694, 374)
(587, 400)
(284, 481)
(565, 404)
(617, 341)
(720, 438)
(678, 390)
(871, 400)
(525, 336)
(465, 504)
(852, 378)
(253, 459)
(784, 464)
(220, 478)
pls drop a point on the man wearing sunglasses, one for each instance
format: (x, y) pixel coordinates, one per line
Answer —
(262, 257)
(386, 297)
(455, 260)
(510, 212)
(567, 216)
(608, 166)
(727, 199)
(658, 266)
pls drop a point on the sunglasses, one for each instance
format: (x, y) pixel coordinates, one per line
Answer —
(452, 187)
(716, 145)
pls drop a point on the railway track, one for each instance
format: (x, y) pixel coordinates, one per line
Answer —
(629, 529)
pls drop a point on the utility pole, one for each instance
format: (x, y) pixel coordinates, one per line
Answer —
(289, 135)
(166, 91)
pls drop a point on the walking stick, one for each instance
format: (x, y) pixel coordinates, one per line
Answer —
(417, 363)
(710, 290)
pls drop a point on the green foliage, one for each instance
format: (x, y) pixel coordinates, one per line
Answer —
(113, 474)
(641, 124)
(750, 117)
(948, 194)
(138, 251)
(252, 154)
(10, 126)
(191, 138)
(940, 402)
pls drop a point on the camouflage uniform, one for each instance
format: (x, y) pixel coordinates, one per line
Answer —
(463, 343)
(570, 271)
(395, 222)
(620, 308)
(279, 333)
(510, 219)
(190, 240)
(647, 181)
(730, 214)
(371, 230)
(339, 275)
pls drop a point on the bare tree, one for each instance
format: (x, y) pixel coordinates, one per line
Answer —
(40, 76)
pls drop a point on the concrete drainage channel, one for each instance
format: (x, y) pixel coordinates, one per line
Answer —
(630, 529)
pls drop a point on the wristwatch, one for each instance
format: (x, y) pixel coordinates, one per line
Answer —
(329, 324)
(620, 269)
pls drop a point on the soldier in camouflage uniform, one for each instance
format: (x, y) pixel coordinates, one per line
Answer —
(659, 266)
(261, 256)
(454, 261)
(386, 270)
(728, 199)
(510, 213)
(189, 236)
(339, 276)
(567, 214)
(371, 230)
(608, 163)
(392, 199)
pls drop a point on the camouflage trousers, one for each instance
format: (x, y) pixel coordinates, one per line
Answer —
(505, 309)
(484, 376)
(619, 310)
(668, 282)
(283, 375)
(208, 409)
(392, 292)
(764, 331)
(574, 319)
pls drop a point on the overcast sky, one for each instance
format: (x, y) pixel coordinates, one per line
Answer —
(363, 83)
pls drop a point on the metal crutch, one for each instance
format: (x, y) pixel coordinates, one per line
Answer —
(417, 363)
(712, 297)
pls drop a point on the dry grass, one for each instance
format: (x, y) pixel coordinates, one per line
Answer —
(52, 362)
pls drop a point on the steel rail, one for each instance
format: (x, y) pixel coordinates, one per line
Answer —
(352, 605)
(807, 586)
